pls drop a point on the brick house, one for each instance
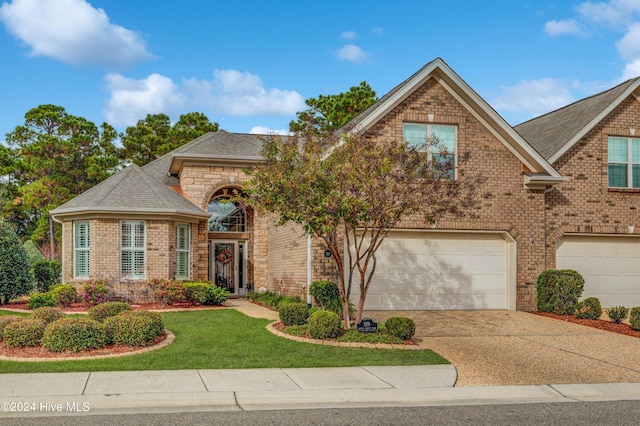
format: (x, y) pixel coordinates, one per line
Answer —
(170, 219)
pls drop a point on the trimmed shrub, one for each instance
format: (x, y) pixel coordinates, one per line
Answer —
(16, 278)
(293, 313)
(634, 318)
(215, 296)
(558, 291)
(589, 308)
(46, 273)
(289, 299)
(196, 292)
(94, 291)
(328, 295)
(168, 292)
(37, 300)
(74, 334)
(107, 309)
(27, 332)
(324, 325)
(6, 320)
(130, 329)
(155, 317)
(617, 314)
(352, 335)
(64, 294)
(47, 314)
(401, 327)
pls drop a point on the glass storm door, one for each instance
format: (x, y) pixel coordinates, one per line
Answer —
(228, 265)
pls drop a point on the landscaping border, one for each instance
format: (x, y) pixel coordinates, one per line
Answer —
(272, 329)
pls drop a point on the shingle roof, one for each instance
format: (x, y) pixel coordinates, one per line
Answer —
(550, 133)
(130, 190)
(225, 144)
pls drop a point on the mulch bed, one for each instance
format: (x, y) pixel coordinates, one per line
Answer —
(41, 352)
(601, 324)
(21, 304)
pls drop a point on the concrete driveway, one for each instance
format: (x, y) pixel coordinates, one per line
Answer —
(518, 348)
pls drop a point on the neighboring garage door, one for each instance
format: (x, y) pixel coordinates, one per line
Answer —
(427, 270)
(610, 267)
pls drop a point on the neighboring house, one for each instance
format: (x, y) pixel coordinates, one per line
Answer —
(170, 218)
(592, 220)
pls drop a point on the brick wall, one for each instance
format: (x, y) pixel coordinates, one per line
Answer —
(585, 204)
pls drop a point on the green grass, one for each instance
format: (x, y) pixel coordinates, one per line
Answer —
(226, 338)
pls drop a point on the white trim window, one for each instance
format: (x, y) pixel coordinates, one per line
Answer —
(183, 241)
(624, 162)
(132, 249)
(444, 136)
(81, 253)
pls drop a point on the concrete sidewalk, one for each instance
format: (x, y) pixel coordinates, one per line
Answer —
(46, 394)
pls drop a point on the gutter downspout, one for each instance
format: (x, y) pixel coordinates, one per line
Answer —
(544, 205)
(309, 268)
(61, 249)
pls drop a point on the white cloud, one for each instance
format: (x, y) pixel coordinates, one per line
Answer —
(261, 130)
(533, 97)
(348, 35)
(566, 26)
(230, 92)
(612, 13)
(353, 53)
(631, 70)
(629, 45)
(72, 31)
(131, 100)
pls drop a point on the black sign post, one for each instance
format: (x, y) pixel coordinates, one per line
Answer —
(367, 325)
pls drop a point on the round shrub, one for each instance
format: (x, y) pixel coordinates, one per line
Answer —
(94, 291)
(168, 292)
(293, 313)
(617, 314)
(401, 327)
(131, 330)
(215, 296)
(107, 309)
(634, 318)
(47, 314)
(27, 332)
(155, 317)
(64, 294)
(74, 334)
(324, 325)
(46, 273)
(196, 292)
(558, 290)
(589, 308)
(37, 300)
(6, 320)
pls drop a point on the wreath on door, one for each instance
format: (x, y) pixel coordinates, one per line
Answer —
(224, 256)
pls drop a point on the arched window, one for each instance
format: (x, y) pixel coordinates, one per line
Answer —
(226, 216)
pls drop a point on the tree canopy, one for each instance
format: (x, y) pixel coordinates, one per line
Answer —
(51, 158)
(327, 113)
(355, 187)
(155, 136)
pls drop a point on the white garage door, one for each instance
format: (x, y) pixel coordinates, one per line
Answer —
(610, 267)
(424, 270)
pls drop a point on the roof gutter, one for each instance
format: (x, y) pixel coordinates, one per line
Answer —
(179, 159)
(534, 181)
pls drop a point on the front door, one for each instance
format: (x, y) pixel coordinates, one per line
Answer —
(228, 265)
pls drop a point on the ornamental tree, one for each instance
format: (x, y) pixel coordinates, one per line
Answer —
(356, 187)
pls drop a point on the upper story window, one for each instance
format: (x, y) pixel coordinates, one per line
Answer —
(226, 216)
(624, 162)
(440, 142)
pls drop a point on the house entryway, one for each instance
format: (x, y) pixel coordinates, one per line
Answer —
(228, 265)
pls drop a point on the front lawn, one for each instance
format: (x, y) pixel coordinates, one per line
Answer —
(226, 338)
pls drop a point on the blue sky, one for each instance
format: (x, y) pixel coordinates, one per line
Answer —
(250, 65)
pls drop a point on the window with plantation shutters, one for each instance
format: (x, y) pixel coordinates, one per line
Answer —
(183, 234)
(81, 249)
(132, 249)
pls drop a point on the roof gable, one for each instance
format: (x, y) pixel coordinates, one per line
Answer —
(131, 191)
(554, 133)
(464, 94)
